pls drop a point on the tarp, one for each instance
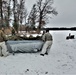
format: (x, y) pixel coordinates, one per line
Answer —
(24, 46)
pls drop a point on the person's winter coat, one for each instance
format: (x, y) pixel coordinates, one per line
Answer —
(2, 36)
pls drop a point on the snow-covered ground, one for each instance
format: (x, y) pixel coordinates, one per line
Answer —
(60, 61)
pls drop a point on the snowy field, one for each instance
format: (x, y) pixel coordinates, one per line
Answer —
(60, 61)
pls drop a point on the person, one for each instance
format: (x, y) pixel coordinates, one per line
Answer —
(13, 31)
(3, 47)
(48, 39)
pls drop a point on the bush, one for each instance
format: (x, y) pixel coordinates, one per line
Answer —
(14, 37)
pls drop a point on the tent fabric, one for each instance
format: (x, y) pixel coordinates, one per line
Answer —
(24, 46)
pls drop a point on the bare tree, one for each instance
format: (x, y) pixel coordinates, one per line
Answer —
(19, 13)
(1, 15)
(15, 24)
(6, 12)
(22, 12)
(44, 8)
(32, 16)
(25, 15)
(9, 13)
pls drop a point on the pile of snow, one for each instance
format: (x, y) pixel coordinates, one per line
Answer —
(23, 33)
(60, 61)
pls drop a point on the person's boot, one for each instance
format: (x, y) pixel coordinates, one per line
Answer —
(46, 53)
(42, 54)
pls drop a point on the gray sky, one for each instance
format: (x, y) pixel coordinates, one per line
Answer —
(66, 13)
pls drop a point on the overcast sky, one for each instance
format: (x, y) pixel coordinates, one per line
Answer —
(66, 13)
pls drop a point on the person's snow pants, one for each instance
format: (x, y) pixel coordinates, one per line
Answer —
(46, 47)
(3, 49)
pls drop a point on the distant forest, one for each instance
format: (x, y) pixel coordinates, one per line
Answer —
(60, 28)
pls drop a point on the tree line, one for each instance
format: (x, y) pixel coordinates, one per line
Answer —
(16, 12)
(60, 28)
